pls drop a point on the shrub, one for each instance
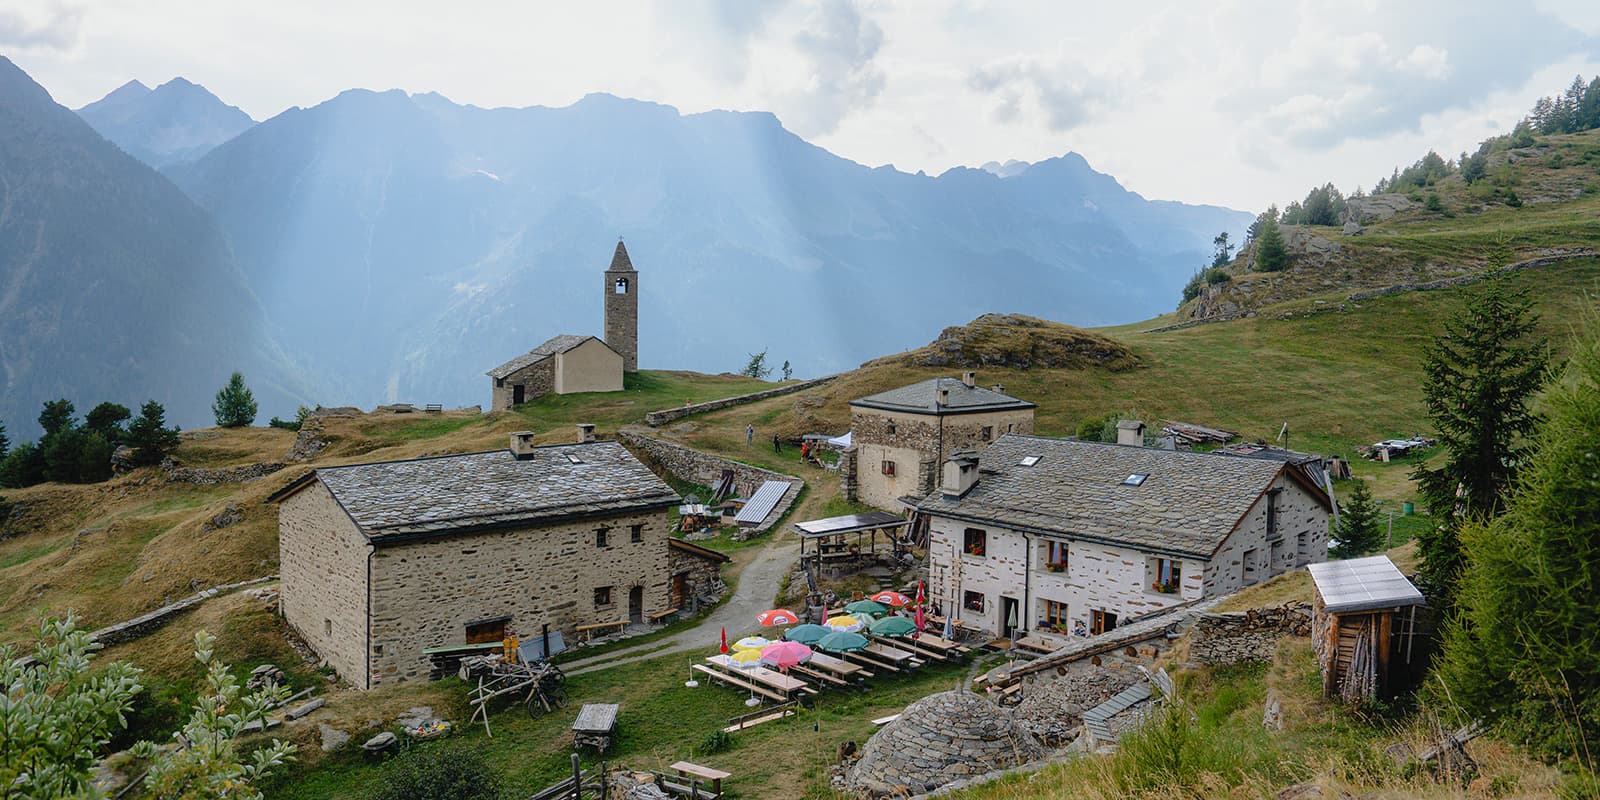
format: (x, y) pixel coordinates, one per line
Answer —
(1433, 203)
(715, 742)
(1512, 199)
(445, 772)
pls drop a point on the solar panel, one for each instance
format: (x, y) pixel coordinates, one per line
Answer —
(1363, 584)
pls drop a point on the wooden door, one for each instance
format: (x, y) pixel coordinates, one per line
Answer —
(1101, 622)
(636, 604)
(517, 394)
(680, 590)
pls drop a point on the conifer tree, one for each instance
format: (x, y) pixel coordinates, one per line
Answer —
(56, 416)
(106, 419)
(149, 435)
(5, 443)
(1357, 531)
(1272, 255)
(1521, 650)
(1480, 375)
(235, 406)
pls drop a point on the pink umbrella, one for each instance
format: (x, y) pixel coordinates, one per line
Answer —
(891, 599)
(777, 616)
(784, 655)
(921, 599)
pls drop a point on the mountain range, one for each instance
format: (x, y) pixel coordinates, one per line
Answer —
(398, 245)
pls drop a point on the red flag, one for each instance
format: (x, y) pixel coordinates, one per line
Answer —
(724, 640)
(921, 622)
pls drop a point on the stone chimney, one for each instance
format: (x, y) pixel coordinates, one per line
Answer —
(998, 388)
(960, 474)
(522, 445)
(585, 432)
(944, 396)
(970, 378)
(1130, 431)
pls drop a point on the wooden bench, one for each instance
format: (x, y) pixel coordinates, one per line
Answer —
(433, 408)
(819, 675)
(772, 714)
(590, 631)
(686, 769)
(657, 617)
(740, 683)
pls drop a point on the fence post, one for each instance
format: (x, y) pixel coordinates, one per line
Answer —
(577, 779)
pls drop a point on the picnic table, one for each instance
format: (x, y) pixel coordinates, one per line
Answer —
(772, 679)
(837, 666)
(595, 725)
(738, 682)
(893, 655)
(1036, 644)
(912, 646)
(939, 643)
(691, 774)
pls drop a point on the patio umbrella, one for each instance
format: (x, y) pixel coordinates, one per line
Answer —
(745, 659)
(752, 643)
(860, 607)
(777, 616)
(892, 626)
(891, 599)
(806, 634)
(842, 642)
(949, 629)
(922, 600)
(845, 623)
(784, 655)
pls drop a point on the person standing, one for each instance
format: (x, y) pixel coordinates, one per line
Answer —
(777, 444)
(749, 434)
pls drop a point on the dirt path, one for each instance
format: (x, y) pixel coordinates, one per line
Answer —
(758, 582)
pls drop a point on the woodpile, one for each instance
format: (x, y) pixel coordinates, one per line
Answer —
(1189, 435)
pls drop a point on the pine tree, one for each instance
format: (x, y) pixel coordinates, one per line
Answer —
(1521, 651)
(106, 419)
(1272, 255)
(56, 416)
(149, 436)
(1358, 532)
(1480, 375)
(1224, 250)
(757, 367)
(235, 407)
(5, 443)
(788, 371)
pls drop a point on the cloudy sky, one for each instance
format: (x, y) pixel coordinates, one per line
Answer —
(1237, 103)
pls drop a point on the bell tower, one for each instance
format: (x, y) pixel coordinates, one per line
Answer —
(622, 308)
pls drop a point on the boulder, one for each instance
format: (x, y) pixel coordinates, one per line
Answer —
(1376, 207)
(332, 738)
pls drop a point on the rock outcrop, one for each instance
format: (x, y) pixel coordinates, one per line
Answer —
(1018, 342)
(1375, 207)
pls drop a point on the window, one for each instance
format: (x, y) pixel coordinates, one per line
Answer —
(636, 533)
(572, 458)
(622, 286)
(1136, 479)
(1252, 573)
(974, 541)
(327, 626)
(499, 383)
(1101, 622)
(1055, 616)
(1168, 575)
(600, 535)
(1272, 512)
(487, 630)
(602, 596)
(1055, 558)
(988, 432)
(891, 429)
(1028, 461)
(888, 467)
(972, 601)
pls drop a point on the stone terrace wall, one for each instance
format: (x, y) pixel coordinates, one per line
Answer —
(666, 415)
(176, 472)
(706, 469)
(1238, 637)
(1131, 634)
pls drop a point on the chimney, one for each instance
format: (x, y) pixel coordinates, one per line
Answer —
(960, 474)
(998, 388)
(1130, 431)
(970, 378)
(944, 396)
(585, 432)
(522, 446)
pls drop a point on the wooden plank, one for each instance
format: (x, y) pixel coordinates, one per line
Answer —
(690, 768)
(880, 721)
(596, 718)
(773, 717)
(731, 680)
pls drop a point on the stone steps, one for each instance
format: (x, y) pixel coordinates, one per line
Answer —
(1097, 720)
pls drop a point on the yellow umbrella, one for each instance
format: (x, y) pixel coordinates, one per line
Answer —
(745, 659)
(845, 623)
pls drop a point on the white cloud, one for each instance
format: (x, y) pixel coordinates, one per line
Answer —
(52, 28)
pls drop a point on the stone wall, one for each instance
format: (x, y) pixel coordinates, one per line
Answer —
(622, 316)
(322, 557)
(537, 378)
(666, 415)
(917, 444)
(1246, 636)
(706, 469)
(1248, 556)
(425, 593)
(702, 577)
(176, 472)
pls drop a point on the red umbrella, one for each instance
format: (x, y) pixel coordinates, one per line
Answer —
(777, 616)
(921, 598)
(724, 640)
(892, 599)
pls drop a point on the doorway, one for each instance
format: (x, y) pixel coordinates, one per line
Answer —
(680, 589)
(1101, 622)
(636, 604)
(518, 397)
(1009, 618)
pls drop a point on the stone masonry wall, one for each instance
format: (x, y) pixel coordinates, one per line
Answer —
(918, 443)
(424, 593)
(622, 317)
(1247, 557)
(666, 415)
(322, 559)
(176, 472)
(1246, 636)
(537, 378)
(706, 469)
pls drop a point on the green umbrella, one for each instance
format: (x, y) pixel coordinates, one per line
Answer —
(806, 634)
(842, 642)
(867, 607)
(893, 626)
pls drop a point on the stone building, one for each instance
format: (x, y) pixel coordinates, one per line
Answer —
(380, 561)
(899, 438)
(1063, 537)
(566, 363)
(938, 740)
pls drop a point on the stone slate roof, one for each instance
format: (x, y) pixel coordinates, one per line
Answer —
(620, 261)
(431, 496)
(556, 344)
(923, 398)
(1188, 505)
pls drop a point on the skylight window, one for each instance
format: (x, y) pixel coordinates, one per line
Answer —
(1136, 479)
(1028, 461)
(573, 458)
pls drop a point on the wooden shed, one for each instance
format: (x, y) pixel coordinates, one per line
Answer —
(1364, 626)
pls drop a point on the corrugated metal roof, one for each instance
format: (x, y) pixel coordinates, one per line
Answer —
(1363, 584)
(761, 503)
(849, 523)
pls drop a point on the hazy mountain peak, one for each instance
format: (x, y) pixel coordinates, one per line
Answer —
(177, 121)
(1011, 168)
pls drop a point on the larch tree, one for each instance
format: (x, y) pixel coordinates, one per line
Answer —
(235, 406)
(1272, 254)
(1358, 532)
